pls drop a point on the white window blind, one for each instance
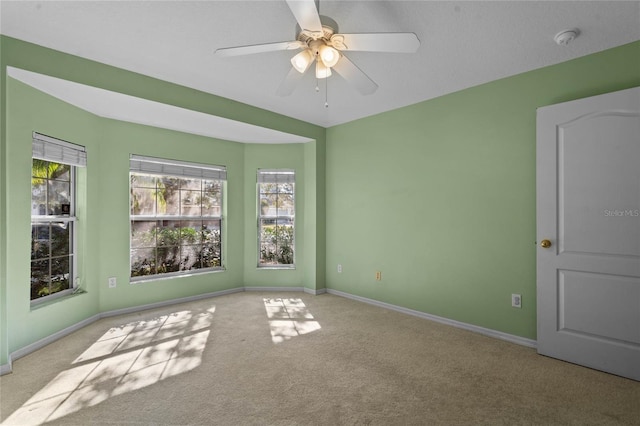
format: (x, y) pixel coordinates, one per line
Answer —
(153, 165)
(276, 176)
(58, 151)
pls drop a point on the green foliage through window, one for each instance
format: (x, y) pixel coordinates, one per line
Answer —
(175, 224)
(276, 217)
(276, 246)
(162, 249)
(51, 228)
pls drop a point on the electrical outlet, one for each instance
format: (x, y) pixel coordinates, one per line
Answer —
(112, 282)
(339, 268)
(378, 276)
(516, 301)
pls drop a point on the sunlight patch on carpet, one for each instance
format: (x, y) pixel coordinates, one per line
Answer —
(289, 318)
(126, 358)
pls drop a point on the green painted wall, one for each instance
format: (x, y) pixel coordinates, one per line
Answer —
(103, 219)
(3, 218)
(315, 254)
(440, 196)
(30, 110)
(123, 139)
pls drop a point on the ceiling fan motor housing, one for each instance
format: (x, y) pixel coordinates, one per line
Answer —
(329, 28)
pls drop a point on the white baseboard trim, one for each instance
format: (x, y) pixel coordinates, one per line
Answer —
(470, 327)
(139, 308)
(273, 288)
(6, 368)
(53, 337)
(26, 350)
(303, 289)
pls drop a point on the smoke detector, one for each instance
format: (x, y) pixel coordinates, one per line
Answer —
(566, 36)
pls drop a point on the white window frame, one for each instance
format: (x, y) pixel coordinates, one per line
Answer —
(180, 169)
(276, 176)
(58, 151)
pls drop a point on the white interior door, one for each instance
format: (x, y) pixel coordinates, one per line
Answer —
(588, 209)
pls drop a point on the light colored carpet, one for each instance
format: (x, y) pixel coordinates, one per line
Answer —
(294, 359)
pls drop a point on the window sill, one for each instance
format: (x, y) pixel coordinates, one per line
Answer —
(173, 275)
(277, 267)
(37, 304)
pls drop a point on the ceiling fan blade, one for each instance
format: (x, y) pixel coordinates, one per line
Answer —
(377, 42)
(355, 76)
(306, 13)
(259, 48)
(289, 83)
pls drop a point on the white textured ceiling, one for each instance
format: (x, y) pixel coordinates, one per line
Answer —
(462, 44)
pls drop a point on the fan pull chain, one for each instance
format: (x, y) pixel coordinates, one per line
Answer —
(326, 91)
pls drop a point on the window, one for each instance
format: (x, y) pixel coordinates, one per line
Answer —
(176, 217)
(276, 213)
(53, 259)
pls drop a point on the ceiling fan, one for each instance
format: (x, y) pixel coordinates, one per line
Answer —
(319, 41)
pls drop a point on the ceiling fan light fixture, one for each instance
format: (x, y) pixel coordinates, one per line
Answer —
(302, 61)
(328, 55)
(322, 71)
(318, 39)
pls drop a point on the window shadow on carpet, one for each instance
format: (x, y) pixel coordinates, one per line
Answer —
(126, 358)
(289, 318)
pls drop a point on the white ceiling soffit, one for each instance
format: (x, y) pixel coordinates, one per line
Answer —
(118, 106)
(463, 44)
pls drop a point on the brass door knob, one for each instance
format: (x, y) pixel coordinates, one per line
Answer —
(545, 243)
